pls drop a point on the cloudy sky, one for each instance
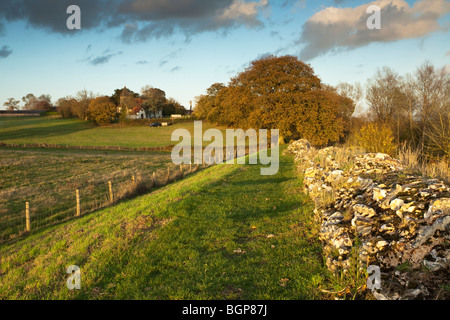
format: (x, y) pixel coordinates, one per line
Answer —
(183, 46)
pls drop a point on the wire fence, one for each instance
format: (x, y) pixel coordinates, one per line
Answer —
(96, 194)
(88, 198)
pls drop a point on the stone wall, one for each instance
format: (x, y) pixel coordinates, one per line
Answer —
(366, 203)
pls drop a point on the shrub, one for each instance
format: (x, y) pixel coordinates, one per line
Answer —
(374, 137)
(102, 111)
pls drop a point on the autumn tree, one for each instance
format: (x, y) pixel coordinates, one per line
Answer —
(278, 93)
(316, 117)
(208, 105)
(102, 111)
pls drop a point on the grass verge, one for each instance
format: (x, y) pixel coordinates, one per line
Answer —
(222, 233)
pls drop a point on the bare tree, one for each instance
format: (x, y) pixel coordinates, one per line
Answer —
(30, 102)
(81, 109)
(387, 99)
(431, 87)
(411, 107)
(155, 99)
(352, 91)
(12, 104)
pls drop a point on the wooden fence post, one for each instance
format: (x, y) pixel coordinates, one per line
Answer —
(27, 216)
(111, 196)
(78, 203)
(181, 168)
(133, 179)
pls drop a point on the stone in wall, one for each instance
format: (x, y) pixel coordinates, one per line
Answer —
(395, 220)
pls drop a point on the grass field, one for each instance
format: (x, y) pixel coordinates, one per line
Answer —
(74, 132)
(225, 232)
(48, 178)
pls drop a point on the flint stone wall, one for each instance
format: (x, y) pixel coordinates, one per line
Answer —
(397, 221)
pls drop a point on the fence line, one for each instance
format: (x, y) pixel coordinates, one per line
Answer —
(19, 225)
(110, 148)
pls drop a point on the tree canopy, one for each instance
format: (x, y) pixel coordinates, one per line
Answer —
(102, 110)
(278, 93)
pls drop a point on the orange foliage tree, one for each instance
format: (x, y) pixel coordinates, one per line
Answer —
(277, 93)
(102, 111)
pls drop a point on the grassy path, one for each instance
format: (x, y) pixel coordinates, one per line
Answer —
(223, 233)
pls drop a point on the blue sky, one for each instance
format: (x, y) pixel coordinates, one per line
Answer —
(184, 46)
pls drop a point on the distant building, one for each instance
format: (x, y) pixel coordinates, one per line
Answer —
(189, 112)
(134, 106)
(137, 113)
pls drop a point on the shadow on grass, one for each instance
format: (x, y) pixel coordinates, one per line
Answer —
(47, 131)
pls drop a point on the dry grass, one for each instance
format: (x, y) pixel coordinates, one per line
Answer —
(411, 158)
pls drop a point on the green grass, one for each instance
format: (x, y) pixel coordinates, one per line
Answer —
(48, 178)
(73, 132)
(208, 236)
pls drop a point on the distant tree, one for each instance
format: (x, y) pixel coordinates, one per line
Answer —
(84, 98)
(155, 99)
(207, 106)
(115, 97)
(102, 111)
(30, 101)
(66, 106)
(171, 106)
(12, 104)
(44, 102)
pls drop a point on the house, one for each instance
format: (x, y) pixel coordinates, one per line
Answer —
(137, 113)
(135, 106)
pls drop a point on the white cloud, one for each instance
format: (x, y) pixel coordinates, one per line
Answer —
(334, 29)
(245, 12)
